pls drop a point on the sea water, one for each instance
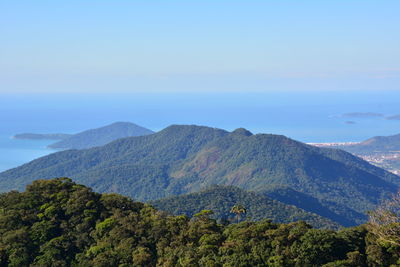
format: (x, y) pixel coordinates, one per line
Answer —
(14, 152)
(305, 116)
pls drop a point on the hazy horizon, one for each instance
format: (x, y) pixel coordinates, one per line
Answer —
(294, 68)
(187, 46)
(305, 116)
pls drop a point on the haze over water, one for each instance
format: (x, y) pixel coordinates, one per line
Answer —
(305, 116)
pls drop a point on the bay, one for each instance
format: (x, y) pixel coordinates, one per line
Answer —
(14, 152)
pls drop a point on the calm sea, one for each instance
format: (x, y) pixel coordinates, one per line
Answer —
(16, 152)
(308, 117)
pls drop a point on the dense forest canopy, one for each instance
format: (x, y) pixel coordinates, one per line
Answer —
(59, 223)
(220, 199)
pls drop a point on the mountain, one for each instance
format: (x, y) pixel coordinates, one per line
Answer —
(340, 213)
(101, 136)
(34, 136)
(60, 223)
(220, 199)
(376, 145)
(381, 151)
(187, 158)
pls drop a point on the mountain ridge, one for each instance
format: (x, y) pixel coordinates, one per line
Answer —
(187, 158)
(376, 144)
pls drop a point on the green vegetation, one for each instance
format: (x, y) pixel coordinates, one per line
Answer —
(332, 210)
(238, 209)
(101, 136)
(381, 151)
(375, 145)
(185, 159)
(59, 223)
(227, 201)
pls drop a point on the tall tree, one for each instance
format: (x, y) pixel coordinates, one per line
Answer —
(238, 210)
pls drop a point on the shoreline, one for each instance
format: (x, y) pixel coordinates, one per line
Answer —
(331, 144)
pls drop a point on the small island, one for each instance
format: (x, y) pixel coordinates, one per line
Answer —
(34, 136)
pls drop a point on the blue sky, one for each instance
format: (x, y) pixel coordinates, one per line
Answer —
(195, 46)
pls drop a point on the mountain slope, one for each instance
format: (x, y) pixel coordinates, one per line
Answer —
(184, 159)
(220, 199)
(381, 151)
(135, 166)
(374, 145)
(101, 136)
(327, 209)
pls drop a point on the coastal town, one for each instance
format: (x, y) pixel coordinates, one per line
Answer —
(333, 144)
(387, 161)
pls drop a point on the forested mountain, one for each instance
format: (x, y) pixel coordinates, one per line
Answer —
(220, 199)
(381, 151)
(59, 223)
(101, 136)
(186, 158)
(340, 213)
(375, 145)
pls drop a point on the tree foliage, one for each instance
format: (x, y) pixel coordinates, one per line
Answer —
(59, 223)
(221, 199)
(384, 231)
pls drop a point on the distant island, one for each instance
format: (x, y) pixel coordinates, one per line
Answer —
(35, 136)
(394, 117)
(101, 136)
(362, 115)
(89, 138)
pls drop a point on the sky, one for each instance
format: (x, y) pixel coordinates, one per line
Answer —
(198, 46)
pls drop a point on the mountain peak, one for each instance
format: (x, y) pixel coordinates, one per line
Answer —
(192, 129)
(242, 131)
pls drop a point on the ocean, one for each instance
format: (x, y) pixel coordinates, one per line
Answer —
(347, 116)
(15, 152)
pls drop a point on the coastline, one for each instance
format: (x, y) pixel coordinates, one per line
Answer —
(334, 144)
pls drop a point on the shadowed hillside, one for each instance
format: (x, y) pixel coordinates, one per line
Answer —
(220, 199)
